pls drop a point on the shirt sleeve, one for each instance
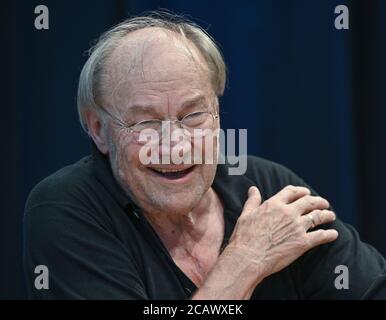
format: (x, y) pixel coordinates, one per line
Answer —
(347, 268)
(83, 259)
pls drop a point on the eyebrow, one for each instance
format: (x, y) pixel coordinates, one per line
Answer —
(195, 100)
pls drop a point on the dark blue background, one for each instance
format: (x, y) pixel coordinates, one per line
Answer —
(312, 98)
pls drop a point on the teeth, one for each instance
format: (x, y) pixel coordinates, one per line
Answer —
(167, 170)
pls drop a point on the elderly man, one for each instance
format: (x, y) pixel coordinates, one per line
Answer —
(113, 226)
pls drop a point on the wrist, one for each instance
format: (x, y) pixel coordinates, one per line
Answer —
(233, 277)
(244, 264)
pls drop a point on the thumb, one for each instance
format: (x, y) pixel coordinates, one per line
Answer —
(254, 199)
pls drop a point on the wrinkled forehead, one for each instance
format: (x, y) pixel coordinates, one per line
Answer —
(156, 58)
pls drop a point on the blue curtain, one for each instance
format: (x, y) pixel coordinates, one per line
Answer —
(312, 97)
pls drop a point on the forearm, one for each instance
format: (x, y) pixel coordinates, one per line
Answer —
(232, 278)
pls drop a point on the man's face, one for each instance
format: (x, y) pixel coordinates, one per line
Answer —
(158, 78)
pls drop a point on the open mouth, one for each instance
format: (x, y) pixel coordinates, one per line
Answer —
(172, 174)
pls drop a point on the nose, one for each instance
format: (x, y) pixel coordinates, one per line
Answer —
(171, 130)
(173, 134)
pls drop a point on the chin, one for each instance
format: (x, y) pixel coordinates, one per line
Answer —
(180, 202)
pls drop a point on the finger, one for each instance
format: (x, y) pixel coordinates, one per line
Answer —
(320, 236)
(309, 203)
(254, 199)
(291, 193)
(317, 217)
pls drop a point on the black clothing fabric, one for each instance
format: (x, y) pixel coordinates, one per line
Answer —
(97, 244)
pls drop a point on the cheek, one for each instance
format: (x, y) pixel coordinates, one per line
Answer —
(124, 156)
(129, 160)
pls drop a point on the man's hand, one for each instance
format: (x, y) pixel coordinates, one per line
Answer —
(267, 237)
(274, 234)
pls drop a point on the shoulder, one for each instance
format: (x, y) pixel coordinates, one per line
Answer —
(63, 204)
(234, 178)
(270, 175)
(66, 186)
(257, 166)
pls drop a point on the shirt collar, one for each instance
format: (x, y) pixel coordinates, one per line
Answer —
(232, 189)
(104, 174)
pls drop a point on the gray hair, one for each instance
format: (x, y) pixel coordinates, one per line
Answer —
(90, 77)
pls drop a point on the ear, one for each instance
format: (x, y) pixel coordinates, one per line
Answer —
(96, 131)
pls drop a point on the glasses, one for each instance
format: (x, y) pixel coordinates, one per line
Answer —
(194, 123)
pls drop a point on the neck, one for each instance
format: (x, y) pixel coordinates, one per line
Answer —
(182, 229)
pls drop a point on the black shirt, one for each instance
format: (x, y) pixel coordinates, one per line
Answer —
(96, 243)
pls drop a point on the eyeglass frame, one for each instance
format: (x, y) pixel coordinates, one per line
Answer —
(123, 124)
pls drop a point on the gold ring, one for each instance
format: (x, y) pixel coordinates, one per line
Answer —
(311, 217)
